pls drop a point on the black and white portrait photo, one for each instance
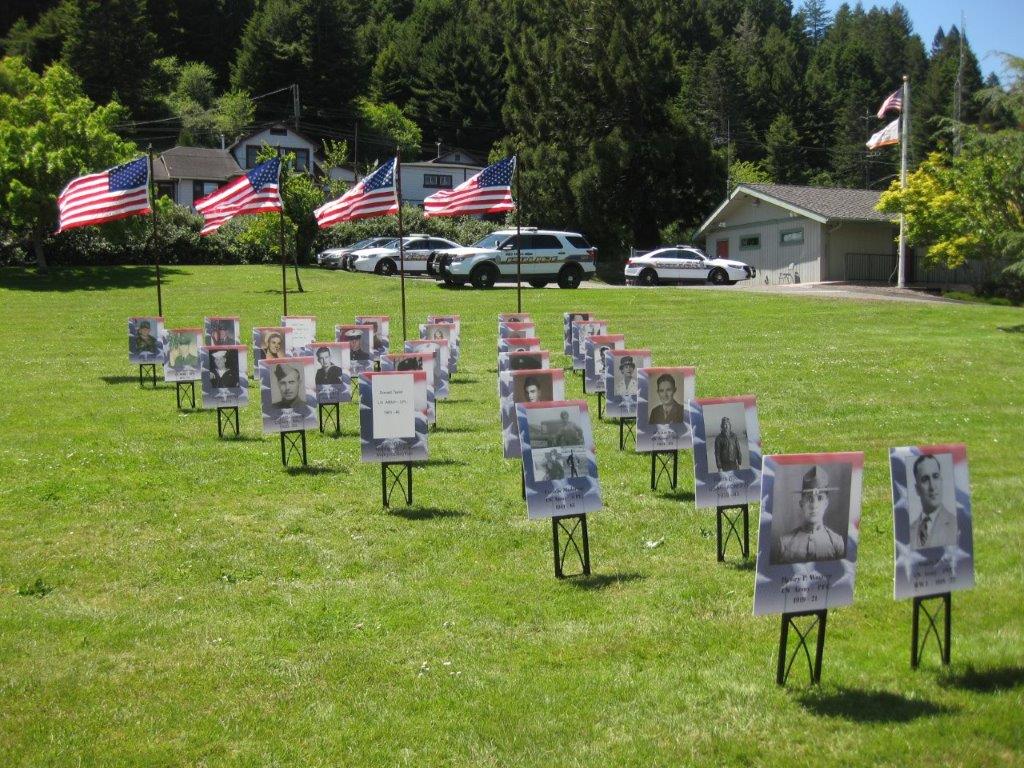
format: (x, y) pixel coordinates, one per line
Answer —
(532, 388)
(286, 402)
(810, 513)
(932, 501)
(666, 407)
(726, 446)
(224, 370)
(220, 331)
(625, 376)
(328, 366)
(528, 361)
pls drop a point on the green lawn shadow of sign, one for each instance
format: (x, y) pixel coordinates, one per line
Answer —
(871, 706)
(599, 581)
(985, 680)
(66, 279)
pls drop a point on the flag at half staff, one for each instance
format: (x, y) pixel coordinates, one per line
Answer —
(257, 191)
(892, 103)
(109, 195)
(490, 191)
(888, 135)
(375, 195)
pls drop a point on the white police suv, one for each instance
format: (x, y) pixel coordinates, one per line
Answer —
(386, 260)
(680, 263)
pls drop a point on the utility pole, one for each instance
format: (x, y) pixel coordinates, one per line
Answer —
(296, 108)
(355, 153)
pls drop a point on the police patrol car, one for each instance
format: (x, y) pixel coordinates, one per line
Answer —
(684, 262)
(386, 260)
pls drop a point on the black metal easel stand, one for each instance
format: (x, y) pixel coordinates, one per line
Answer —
(392, 479)
(584, 375)
(333, 411)
(185, 392)
(626, 427)
(227, 421)
(147, 371)
(600, 405)
(918, 642)
(571, 526)
(293, 441)
(660, 466)
(733, 520)
(786, 662)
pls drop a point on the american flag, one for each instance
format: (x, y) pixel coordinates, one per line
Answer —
(375, 195)
(106, 196)
(490, 191)
(254, 192)
(894, 102)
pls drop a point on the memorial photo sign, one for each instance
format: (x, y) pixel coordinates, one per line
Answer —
(415, 361)
(559, 463)
(440, 351)
(525, 386)
(809, 532)
(568, 319)
(270, 342)
(145, 340)
(621, 381)
(182, 361)
(444, 332)
(222, 331)
(594, 350)
(726, 450)
(514, 317)
(288, 394)
(223, 373)
(381, 325)
(661, 418)
(333, 377)
(391, 428)
(360, 339)
(518, 345)
(303, 333)
(527, 360)
(932, 523)
(516, 331)
(580, 331)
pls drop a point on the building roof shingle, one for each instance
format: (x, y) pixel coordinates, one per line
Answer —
(830, 203)
(195, 163)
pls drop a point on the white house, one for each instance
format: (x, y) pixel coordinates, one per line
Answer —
(443, 172)
(186, 174)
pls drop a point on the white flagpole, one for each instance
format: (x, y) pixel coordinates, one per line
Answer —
(901, 256)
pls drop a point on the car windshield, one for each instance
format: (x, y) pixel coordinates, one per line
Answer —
(392, 243)
(492, 241)
(361, 244)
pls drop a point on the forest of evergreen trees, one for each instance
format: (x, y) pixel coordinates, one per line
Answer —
(629, 115)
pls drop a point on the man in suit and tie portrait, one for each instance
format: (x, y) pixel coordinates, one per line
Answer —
(936, 525)
(668, 410)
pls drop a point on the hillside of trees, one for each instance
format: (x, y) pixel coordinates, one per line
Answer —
(630, 116)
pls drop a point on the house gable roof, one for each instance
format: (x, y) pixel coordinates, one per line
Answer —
(195, 163)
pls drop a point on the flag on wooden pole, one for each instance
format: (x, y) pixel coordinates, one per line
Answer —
(257, 191)
(490, 191)
(109, 195)
(375, 195)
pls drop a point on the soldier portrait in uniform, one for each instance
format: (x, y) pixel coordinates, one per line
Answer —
(144, 341)
(328, 371)
(666, 408)
(726, 427)
(811, 514)
(224, 369)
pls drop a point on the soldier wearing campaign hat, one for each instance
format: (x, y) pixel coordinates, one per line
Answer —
(812, 540)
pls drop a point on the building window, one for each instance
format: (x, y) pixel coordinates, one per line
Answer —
(437, 181)
(165, 189)
(251, 151)
(750, 242)
(791, 237)
(197, 190)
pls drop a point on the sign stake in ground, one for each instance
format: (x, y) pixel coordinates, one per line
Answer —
(918, 642)
(333, 416)
(147, 371)
(392, 479)
(185, 392)
(723, 514)
(293, 442)
(791, 620)
(572, 526)
(660, 462)
(227, 416)
(626, 426)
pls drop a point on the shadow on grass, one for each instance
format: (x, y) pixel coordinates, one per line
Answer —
(314, 470)
(871, 706)
(603, 580)
(135, 380)
(424, 513)
(229, 438)
(83, 278)
(454, 430)
(985, 680)
(677, 495)
(1011, 328)
(741, 565)
(445, 463)
(465, 380)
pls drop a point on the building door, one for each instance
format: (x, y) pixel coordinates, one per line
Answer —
(722, 249)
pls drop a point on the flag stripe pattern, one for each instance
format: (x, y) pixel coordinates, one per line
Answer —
(106, 196)
(888, 135)
(490, 191)
(893, 103)
(375, 195)
(257, 191)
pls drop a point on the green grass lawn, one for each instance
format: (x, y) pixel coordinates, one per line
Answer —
(167, 598)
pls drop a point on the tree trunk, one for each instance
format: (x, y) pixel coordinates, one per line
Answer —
(298, 280)
(37, 248)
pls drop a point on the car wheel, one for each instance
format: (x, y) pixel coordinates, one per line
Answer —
(570, 277)
(538, 283)
(718, 277)
(649, 277)
(386, 267)
(484, 276)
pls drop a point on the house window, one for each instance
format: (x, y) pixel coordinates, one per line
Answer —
(437, 181)
(251, 151)
(750, 242)
(165, 189)
(197, 190)
(791, 237)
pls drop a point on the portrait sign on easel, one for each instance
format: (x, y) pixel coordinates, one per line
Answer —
(223, 373)
(518, 345)
(222, 331)
(146, 340)
(303, 334)
(595, 348)
(809, 532)
(182, 361)
(416, 361)
(444, 332)
(361, 345)
(392, 429)
(526, 330)
(270, 342)
(514, 317)
(440, 351)
(726, 450)
(932, 524)
(580, 331)
(526, 386)
(661, 419)
(559, 463)
(568, 319)
(622, 385)
(523, 360)
(333, 376)
(381, 325)
(288, 394)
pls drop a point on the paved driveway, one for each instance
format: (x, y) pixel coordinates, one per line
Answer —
(819, 290)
